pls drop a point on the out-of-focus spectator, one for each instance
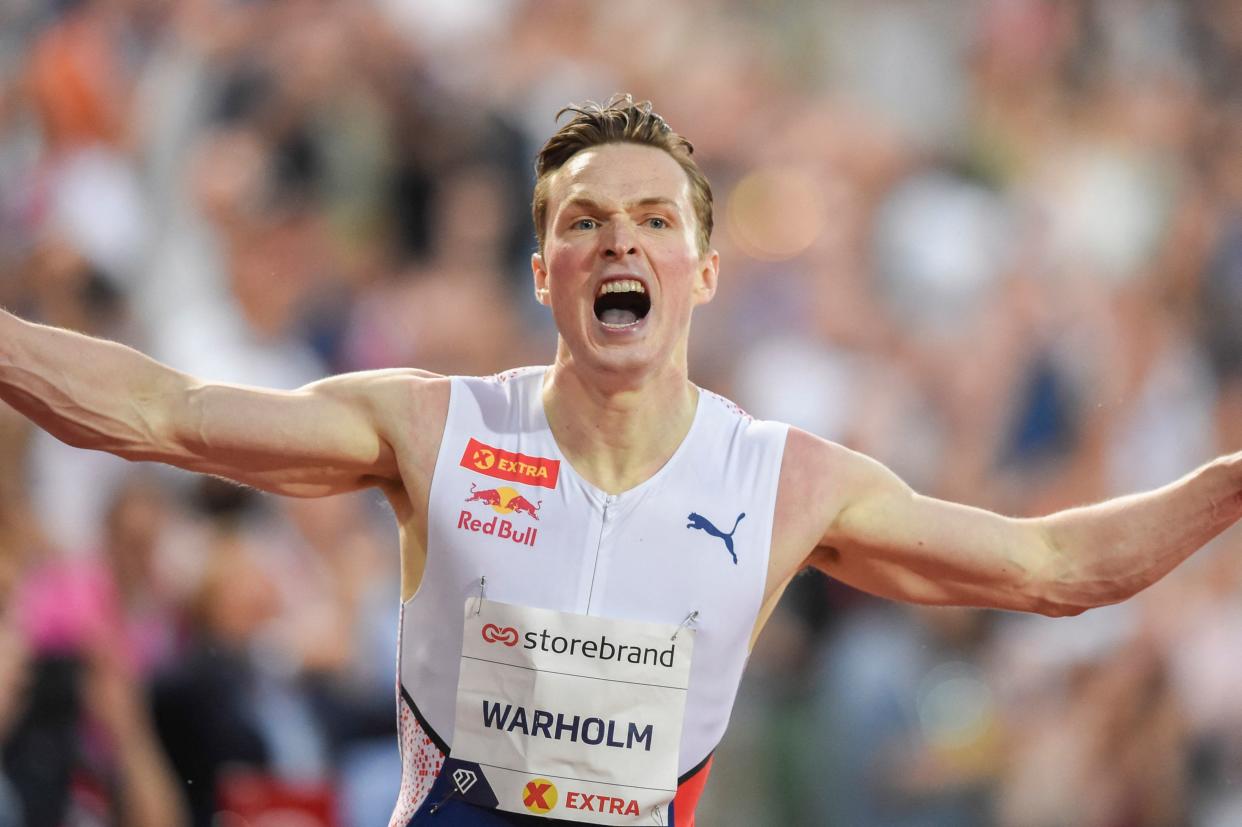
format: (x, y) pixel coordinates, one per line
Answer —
(14, 676)
(1104, 753)
(84, 750)
(907, 723)
(456, 312)
(76, 77)
(233, 712)
(145, 604)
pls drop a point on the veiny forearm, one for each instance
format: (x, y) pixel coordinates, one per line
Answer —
(1107, 552)
(87, 392)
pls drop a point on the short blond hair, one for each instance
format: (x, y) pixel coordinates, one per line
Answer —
(621, 120)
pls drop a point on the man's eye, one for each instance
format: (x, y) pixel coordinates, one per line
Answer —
(584, 224)
(657, 223)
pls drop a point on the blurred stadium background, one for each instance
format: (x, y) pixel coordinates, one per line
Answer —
(995, 243)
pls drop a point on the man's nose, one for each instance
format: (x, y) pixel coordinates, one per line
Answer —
(619, 240)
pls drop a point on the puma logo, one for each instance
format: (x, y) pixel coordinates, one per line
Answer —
(703, 524)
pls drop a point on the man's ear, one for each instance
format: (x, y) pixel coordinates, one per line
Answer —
(709, 274)
(540, 274)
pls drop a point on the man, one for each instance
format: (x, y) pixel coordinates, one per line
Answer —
(590, 549)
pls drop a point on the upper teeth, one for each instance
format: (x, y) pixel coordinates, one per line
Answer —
(621, 286)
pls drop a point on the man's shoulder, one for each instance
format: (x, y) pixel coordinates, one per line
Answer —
(516, 387)
(812, 463)
(818, 479)
(729, 420)
(400, 402)
(724, 405)
(392, 389)
(528, 374)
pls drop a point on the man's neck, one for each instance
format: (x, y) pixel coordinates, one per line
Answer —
(618, 436)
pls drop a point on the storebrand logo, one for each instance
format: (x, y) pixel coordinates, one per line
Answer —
(510, 466)
(495, 634)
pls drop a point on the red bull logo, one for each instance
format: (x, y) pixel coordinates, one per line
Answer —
(504, 500)
(510, 466)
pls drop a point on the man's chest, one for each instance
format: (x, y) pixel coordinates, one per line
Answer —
(554, 541)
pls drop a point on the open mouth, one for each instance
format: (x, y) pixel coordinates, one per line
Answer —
(622, 303)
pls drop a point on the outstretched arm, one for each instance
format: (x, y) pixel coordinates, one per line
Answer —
(881, 536)
(321, 439)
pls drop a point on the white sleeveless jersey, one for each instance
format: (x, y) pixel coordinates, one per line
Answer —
(506, 509)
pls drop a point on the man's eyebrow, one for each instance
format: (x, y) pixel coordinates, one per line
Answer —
(649, 201)
(655, 201)
(583, 201)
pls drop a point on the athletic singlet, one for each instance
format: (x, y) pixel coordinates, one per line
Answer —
(509, 517)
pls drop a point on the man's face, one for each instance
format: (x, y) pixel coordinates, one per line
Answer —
(620, 266)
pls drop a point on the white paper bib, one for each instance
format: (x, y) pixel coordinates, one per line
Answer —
(569, 716)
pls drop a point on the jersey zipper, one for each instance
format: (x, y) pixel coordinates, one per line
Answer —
(609, 499)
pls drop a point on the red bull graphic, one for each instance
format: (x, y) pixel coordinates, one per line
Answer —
(504, 500)
(510, 466)
(488, 496)
(522, 506)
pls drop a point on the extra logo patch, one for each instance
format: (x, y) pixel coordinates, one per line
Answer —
(509, 466)
(698, 521)
(539, 795)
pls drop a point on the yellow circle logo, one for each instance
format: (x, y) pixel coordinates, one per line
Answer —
(539, 795)
(483, 459)
(506, 496)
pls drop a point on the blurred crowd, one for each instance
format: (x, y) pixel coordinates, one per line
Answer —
(996, 244)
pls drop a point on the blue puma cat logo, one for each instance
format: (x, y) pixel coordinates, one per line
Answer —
(700, 522)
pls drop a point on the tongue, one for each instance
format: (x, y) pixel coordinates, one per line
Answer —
(616, 317)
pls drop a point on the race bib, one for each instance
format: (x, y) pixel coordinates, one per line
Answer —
(569, 716)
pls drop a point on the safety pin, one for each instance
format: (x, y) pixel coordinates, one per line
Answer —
(690, 618)
(478, 604)
(441, 803)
